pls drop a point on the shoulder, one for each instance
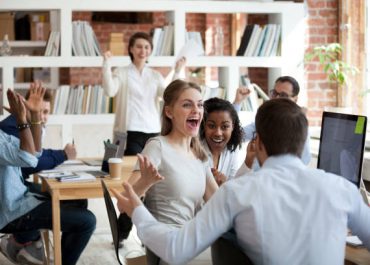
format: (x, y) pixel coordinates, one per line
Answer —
(154, 144)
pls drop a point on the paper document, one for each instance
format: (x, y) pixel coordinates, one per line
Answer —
(189, 50)
(69, 168)
(80, 177)
(353, 241)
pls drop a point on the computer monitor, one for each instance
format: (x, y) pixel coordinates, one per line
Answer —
(342, 144)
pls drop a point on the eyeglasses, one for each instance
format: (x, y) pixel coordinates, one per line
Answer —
(274, 94)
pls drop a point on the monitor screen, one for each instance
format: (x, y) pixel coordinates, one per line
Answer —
(342, 143)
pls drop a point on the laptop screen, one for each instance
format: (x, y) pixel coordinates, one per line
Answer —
(342, 143)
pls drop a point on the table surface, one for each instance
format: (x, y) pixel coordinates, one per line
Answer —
(357, 255)
(79, 190)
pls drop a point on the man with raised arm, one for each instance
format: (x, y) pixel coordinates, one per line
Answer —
(23, 213)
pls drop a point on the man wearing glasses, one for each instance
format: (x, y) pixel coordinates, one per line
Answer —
(285, 87)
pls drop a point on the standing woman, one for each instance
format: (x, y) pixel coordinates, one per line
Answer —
(137, 88)
(221, 135)
(178, 156)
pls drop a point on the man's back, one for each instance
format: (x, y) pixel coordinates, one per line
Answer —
(290, 214)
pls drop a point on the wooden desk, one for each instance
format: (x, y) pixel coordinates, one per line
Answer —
(81, 190)
(358, 256)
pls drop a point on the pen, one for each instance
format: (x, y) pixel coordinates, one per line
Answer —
(73, 141)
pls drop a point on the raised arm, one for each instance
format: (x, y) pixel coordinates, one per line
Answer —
(148, 175)
(110, 80)
(35, 104)
(179, 245)
(18, 109)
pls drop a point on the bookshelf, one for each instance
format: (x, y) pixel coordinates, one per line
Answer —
(288, 14)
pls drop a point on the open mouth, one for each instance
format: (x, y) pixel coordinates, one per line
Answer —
(192, 123)
(217, 140)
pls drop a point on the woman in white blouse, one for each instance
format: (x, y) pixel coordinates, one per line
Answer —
(137, 89)
(222, 136)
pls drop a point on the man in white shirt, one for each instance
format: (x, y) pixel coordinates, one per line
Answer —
(284, 87)
(285, 213)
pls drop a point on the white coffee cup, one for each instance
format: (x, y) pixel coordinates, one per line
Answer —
(115, 165)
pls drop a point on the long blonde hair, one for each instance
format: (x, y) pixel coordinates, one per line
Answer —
(170, 95)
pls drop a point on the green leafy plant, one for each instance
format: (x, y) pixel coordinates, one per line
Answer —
(336, 69)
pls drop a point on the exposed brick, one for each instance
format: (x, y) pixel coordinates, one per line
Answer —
(328, 13)
(316, 4)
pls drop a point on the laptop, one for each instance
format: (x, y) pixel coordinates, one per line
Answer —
(112, 216)
(342, 142)
(110, 150)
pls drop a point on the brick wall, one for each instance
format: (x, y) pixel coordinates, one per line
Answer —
(322, 28)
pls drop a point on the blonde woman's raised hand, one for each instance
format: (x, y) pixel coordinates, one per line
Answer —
(149, 175)
(127, 202)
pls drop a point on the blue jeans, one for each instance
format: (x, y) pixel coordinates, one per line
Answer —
(77, 226)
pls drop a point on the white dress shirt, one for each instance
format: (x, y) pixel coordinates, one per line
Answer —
(229, 162)
(285, 213)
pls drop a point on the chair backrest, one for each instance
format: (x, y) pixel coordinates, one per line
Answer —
(112, 216)
(225, 252)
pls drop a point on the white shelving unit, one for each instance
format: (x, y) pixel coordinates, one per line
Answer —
(288, 14)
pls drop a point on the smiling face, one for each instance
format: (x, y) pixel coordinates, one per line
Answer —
(217, 130)
(141, 50)
(186, 113)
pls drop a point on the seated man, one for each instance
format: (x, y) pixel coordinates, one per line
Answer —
(50, 158)
(284, 213)
(285, 87)
(23, 212)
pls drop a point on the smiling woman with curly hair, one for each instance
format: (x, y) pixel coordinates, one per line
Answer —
(221, 134)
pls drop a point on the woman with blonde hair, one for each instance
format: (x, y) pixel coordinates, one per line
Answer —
(178, 156)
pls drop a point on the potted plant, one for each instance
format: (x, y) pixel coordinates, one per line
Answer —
(336, 70)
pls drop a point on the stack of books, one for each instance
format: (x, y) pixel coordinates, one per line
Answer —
(116, 45)
(163, 44)
(84, 41)
(89, 99)
(260, 40)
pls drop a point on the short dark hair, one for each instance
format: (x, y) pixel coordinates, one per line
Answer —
(282, 127)
(290, 80)
(47, 95)
(218, 104)
(133, 38)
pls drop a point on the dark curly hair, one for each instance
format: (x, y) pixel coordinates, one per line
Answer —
(218, 104)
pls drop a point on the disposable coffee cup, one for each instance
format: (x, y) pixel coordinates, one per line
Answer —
(115, 167)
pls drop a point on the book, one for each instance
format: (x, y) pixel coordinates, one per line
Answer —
(253, 41)
(245, 40)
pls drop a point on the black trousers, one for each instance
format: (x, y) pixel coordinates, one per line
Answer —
(135, 144)
(136, 141)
